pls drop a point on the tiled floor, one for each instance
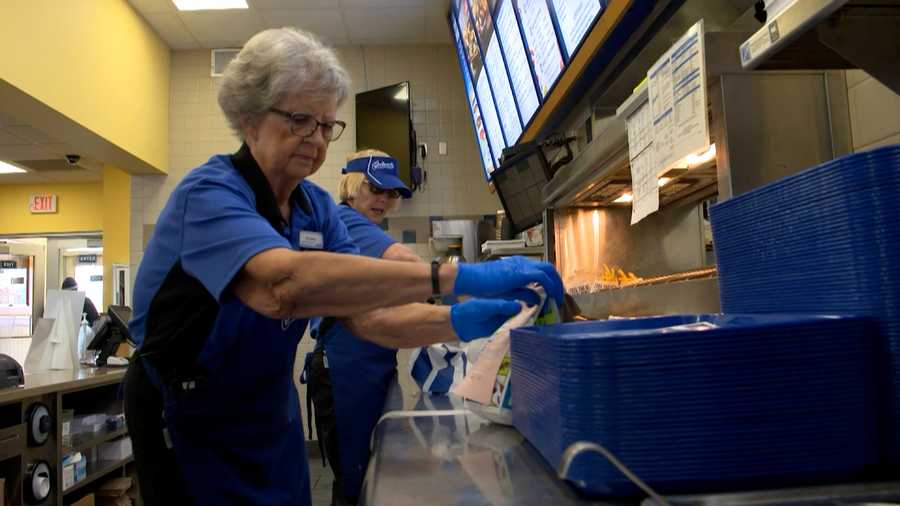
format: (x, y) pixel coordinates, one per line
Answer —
(320, 479)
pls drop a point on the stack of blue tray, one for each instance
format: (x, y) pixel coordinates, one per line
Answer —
(824, 240)
(700, 403)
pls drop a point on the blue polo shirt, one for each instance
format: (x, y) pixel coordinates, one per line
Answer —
(371, 240)
(236, 429)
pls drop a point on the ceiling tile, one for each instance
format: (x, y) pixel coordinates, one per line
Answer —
(172, 30)
(152, 6)
(32, 152)
(26, 178)
(7, 138)
(77, 176)
(348, 4)
(293, 4)
(29, 134)
(436, 27)
(396, 24)
(222, 28)
(328, 24)
(8, 120)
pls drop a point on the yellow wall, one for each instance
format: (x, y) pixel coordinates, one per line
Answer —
(95, 61)
(116, 224)
(79, 209)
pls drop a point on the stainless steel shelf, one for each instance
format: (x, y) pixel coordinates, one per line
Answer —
(830, 34)
(527, 251)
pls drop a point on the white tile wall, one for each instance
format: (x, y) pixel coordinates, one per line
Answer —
(197, 130)
(456, 186)
(874, 112)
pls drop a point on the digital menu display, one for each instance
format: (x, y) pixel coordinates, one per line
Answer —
(482, 86)
(511, 53)
(496, 71)
(489, 113)
(543, 48)
(477, 122)
(516, 60)
(575, 18)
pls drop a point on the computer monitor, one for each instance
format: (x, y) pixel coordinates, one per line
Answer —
(112, 330)
(520, 182)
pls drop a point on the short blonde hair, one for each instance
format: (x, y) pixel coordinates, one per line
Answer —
(351, 183)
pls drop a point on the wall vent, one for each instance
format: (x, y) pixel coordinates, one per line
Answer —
(220, 59)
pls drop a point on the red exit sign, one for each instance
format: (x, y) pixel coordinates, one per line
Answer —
(44, 203)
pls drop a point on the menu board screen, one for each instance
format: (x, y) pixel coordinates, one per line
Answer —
(467, 32)
(489, 113)
(575, 18)
(479, 76)
(496, 71)
(516, 60)
(484, 149)
(543, 47)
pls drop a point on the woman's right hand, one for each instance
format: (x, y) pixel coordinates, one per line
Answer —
(494, 279)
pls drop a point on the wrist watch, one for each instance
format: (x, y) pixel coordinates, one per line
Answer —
(435, 280)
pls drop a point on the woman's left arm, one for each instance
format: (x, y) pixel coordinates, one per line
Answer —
(415, 325)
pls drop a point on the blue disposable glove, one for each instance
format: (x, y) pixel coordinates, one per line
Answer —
(526, 295)
(491, 279)
(476, 318)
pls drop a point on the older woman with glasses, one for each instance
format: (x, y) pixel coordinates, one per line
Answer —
(244, 252)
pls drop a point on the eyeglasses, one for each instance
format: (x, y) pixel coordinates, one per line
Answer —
(304, 125)
(392, 194)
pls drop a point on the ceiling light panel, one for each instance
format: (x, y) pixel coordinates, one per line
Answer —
(209, 5)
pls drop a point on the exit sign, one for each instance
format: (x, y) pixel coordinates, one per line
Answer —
(42, 204)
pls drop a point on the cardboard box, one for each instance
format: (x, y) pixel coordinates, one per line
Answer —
(87, 500)
(74, 469)
(115, 487)
(114, 492)
(114, 501)
(68, 476)
(68, 415)
(116, 450)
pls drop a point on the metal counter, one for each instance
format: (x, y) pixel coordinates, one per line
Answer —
(440, 453)
(68, 380)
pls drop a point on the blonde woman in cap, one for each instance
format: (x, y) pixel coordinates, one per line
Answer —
(350, 392)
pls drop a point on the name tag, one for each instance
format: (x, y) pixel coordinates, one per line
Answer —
(311, 240)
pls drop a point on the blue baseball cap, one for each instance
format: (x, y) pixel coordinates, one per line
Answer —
(381, 171)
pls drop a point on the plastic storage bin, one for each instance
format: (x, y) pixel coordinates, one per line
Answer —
(701, 403)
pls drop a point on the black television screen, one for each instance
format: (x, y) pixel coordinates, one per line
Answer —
(383, 123)
(520, 184)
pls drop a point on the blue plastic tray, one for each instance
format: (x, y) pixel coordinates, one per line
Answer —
(701, 402)
(824, 240)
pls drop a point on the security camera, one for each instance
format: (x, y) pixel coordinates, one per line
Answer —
(72, 159)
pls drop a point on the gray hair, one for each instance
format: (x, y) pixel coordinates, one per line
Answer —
(276, 62)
